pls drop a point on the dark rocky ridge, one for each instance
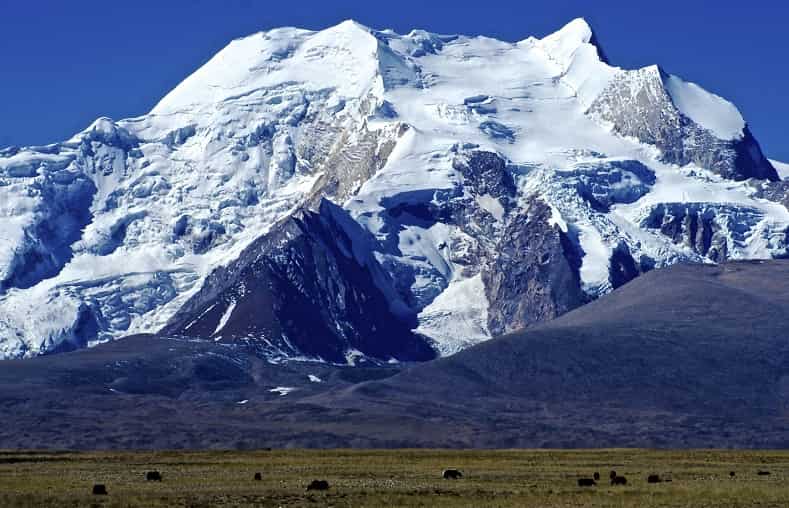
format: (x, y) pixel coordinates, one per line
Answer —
(312, 288)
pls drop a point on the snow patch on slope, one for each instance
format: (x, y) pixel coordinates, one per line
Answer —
(283, 390)
(458, 317)
(710, 111)
(225, 317)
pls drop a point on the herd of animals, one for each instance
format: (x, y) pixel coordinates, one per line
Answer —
(617, 479)
(100, 489)
(653, 478)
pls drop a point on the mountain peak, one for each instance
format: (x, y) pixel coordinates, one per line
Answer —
(578, 30)
(350, 24)
(571, 36)
(337, 57)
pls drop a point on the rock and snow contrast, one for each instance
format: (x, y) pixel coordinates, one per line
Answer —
(782, 168)
(353, 194)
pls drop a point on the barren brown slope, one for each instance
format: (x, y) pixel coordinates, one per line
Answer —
(690, 355)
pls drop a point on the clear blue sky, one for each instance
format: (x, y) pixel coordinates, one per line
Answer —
(64, 63)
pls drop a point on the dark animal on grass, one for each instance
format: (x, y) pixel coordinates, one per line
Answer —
(732, 474)
(618, 480)
(586, 482)
(763, 473)
(612, 475)
(153, 476)
(318, 485)
(99, 489)
(653, 478)
(596, 476)
(452, 474)
(258, 476)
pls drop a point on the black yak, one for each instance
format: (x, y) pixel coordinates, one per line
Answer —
(618, 480)
(318, 485)
(452, 474)
(153, 476)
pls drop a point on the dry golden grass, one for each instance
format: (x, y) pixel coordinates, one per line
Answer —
(506, 478)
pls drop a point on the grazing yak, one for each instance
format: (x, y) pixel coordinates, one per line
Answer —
(586, 482)
(452, 474)
(153, 476)
(318, 485)
(596, 476)
(653, 478)
(618, 480)
(99, 489)
(763, 473)
(258, 476)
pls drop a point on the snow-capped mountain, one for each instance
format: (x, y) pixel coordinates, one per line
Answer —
(355, 193)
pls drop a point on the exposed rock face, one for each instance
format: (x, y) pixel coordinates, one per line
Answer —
(470, 217)
(608, 182)
(705, 229)
(355, 157)
(774, 191)
(312, 288)
(637, 104)
(486, 173)
(623, 268)
(533, 275)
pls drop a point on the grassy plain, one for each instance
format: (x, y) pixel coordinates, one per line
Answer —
(358, 478)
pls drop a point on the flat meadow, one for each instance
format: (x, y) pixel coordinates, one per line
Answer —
(358, 478)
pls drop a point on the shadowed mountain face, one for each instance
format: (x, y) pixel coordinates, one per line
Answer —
(313, 288)
(689, 356)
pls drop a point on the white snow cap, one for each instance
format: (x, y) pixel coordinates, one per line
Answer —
(578, 30)
(581, 62)
(343, 56)
(710, 111)
(564, 42)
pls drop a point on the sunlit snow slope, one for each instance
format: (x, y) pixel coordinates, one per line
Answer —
(503, 184)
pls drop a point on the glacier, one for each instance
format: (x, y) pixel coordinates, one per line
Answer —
(495, 185)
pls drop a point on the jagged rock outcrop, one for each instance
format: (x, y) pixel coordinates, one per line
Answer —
(533, 275)
(707, 230)
(607, 182)
(313, 288)
(639, 104)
